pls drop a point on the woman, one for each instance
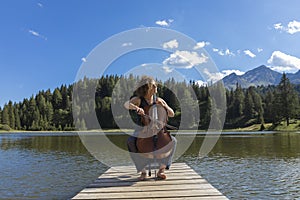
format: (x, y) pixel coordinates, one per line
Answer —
(145, 93)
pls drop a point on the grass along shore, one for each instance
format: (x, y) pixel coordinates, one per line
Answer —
(294, 126)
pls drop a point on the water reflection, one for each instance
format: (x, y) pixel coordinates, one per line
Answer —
(251, 166)
(69, 143)
(256, 166)
(270, 145)
(50, 166)
(286, 145)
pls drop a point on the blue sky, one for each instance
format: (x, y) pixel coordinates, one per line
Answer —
(44, 43)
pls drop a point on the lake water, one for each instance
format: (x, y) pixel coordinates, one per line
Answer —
(241, 165)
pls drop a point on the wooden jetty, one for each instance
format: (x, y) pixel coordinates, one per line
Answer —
(121, 183)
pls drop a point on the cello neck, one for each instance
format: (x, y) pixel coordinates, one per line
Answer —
(154, 114)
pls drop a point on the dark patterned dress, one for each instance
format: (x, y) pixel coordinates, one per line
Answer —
(139, 160)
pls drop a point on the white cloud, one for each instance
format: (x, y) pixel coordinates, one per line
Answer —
(200, 45)
(230, 71)
(201, 83)
(229, 53)
(221, 53)
(167, 69)
(291, 28)
(278, 26)
(83, 59)
(185, 59)
(281, 69)
(36, 34)
(126, 44)
(259, 50)
(171, 44)
(225, 52)
(216, 76)
(249, 53)
(164, 22)
(40, 5)
(213, 77)
(282, 62)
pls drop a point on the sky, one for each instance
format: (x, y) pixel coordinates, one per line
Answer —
(43, 44)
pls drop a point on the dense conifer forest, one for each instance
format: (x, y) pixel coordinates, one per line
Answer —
(52, 110)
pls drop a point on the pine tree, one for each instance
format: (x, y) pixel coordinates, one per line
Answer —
(57, 99)
(11, 114)
(5, 115)
(267, 106)
(17, 117)
(258, 106)
(49, 112)
(65, 97)
(41, 102)
(0, 115)
(189, 104)
(288, 100)
(249, 111)
(169, 94)
(48, 95)
(205, 113)
(83, 125)
(238, 102)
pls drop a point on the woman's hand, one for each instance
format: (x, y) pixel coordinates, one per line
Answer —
(140, 111)
(161, 102)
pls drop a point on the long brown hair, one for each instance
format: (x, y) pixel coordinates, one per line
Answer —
(144, 85)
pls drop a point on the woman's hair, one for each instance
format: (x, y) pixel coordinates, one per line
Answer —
(144, 85)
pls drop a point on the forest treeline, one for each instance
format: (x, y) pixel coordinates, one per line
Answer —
(52, 110)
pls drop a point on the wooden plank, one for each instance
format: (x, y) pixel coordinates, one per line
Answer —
(145, 183)
(155, 194)
(121, 171)
(133, 177)
(149, 188)
(189, 198)
(122, 183)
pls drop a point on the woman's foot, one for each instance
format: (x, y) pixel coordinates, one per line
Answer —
(161, 175)
(143, 176)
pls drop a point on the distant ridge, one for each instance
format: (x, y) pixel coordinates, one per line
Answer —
(261, 75)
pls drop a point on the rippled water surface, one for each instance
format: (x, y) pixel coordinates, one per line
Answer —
(241, 166)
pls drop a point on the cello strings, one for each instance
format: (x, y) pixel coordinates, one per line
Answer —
(161, 123)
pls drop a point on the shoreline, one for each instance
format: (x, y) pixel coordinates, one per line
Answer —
(238, 130)
(268, 127)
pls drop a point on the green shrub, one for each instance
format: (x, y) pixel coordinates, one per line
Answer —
(5, 127)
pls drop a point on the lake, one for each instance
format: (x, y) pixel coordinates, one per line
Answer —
(241, 165)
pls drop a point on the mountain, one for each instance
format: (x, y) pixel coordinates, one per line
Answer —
(261, 75)
(294, 78)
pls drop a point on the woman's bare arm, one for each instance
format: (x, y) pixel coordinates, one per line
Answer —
(133, 104)
(166, 106)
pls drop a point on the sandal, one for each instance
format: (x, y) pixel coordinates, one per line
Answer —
(143, 176)
(161, 175)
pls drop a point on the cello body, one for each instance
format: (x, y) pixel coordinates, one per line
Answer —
(154, 141)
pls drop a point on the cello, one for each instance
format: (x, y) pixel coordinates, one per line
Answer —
(154, 141)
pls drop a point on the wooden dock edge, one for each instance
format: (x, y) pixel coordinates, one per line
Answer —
(121, 183)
